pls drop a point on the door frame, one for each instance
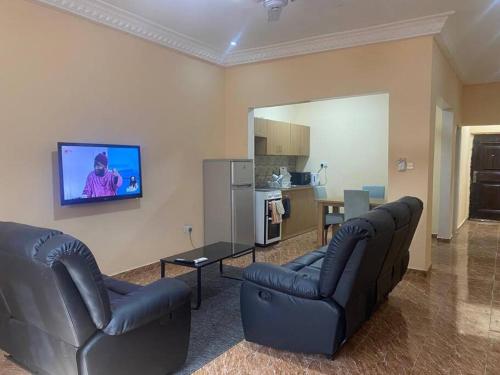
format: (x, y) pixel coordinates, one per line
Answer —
(446, 207)
(471, 171)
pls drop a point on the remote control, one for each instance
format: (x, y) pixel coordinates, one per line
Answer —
(199, 260)
(187, 261)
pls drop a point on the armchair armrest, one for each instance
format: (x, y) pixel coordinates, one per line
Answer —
(282, 279)
(147, 304)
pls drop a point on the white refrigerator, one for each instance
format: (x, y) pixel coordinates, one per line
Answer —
(228, 200)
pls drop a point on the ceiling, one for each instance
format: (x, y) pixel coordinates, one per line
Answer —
(205, 28)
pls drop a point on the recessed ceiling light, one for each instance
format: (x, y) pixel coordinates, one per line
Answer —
(233, 43)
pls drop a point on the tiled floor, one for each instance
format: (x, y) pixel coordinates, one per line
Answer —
(447, 322)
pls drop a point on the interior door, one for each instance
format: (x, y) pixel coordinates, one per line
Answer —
(485, 177)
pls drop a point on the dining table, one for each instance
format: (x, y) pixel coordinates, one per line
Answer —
(336, 203)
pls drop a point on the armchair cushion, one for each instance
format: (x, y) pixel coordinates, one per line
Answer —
(146, 304)
(283, 279)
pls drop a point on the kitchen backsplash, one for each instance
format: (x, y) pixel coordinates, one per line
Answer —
(265, 166)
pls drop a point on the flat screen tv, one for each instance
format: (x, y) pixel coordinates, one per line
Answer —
(98, 172)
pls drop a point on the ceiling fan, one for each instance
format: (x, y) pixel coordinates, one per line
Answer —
(274, 8)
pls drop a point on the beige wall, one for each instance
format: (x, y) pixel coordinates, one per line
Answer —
(481, 104)
(401, 68)
(66, 79)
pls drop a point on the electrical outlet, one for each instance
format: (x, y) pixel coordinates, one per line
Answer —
(188, 228)
(324, 164)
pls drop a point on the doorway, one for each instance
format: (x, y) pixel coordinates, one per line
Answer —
(485, 177)
(465, 143)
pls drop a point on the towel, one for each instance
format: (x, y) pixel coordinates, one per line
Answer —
(279, 207)
(287, 207)
(275, 216)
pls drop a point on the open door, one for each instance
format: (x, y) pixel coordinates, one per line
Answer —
(485, 177)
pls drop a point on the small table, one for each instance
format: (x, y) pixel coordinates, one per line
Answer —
(323, 204)
(215, 252)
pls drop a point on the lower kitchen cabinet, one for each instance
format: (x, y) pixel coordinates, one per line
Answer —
(302, 214)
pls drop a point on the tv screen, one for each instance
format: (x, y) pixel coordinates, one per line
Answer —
(98, 172)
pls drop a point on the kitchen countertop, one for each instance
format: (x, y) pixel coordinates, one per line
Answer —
(295, 187)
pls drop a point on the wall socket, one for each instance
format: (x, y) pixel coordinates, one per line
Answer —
(323, 164)
(188, 228)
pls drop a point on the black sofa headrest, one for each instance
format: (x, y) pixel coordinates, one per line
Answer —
(415, 205)
(23, 240)
(399, 211)
(350, 240)
(51, 247)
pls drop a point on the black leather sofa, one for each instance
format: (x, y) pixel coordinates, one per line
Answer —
(60, 315)
(318, 301)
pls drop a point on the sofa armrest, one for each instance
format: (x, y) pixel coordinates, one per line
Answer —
(147, 304)
(282, 279)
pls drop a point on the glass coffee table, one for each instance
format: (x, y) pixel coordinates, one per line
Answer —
(214, 253)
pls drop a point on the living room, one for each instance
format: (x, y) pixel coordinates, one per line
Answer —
(69, 74)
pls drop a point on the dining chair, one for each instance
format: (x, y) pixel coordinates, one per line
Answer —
(356, 203)
(334, 218)
(375, 191)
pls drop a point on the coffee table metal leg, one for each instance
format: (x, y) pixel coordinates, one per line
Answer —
(221, 268)
(162, 269)
(253, 255)
(198, 289)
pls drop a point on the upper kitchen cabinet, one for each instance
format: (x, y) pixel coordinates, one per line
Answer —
(278, 138)
(260, 127)
(299, 140)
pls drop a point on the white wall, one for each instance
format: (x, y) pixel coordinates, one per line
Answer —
(286, 113)
(350, 134)
(466, 142)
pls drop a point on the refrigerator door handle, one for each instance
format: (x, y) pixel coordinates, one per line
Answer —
(242, 186)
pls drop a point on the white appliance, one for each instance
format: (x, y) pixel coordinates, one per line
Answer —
(314, 179)
(266, 232)
(228, 201)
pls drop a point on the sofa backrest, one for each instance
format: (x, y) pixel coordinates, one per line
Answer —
(416, 207)
(352, 263)
(50, 281)
(401, 215)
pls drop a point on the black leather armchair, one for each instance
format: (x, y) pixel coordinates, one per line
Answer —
(318, 301)
(60, 315)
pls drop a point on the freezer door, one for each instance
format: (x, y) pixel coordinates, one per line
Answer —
(243, 218)
(242, 173)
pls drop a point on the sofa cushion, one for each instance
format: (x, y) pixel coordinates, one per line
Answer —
(306, 260)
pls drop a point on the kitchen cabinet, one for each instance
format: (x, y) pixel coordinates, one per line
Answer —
(299, 140)
(260, 127)
(278, 138)
(281, 138)
(303, 212)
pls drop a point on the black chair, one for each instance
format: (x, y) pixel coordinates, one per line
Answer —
(318, 301)
(60, 315)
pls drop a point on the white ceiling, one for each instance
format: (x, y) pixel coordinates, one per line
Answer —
(206, 27)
